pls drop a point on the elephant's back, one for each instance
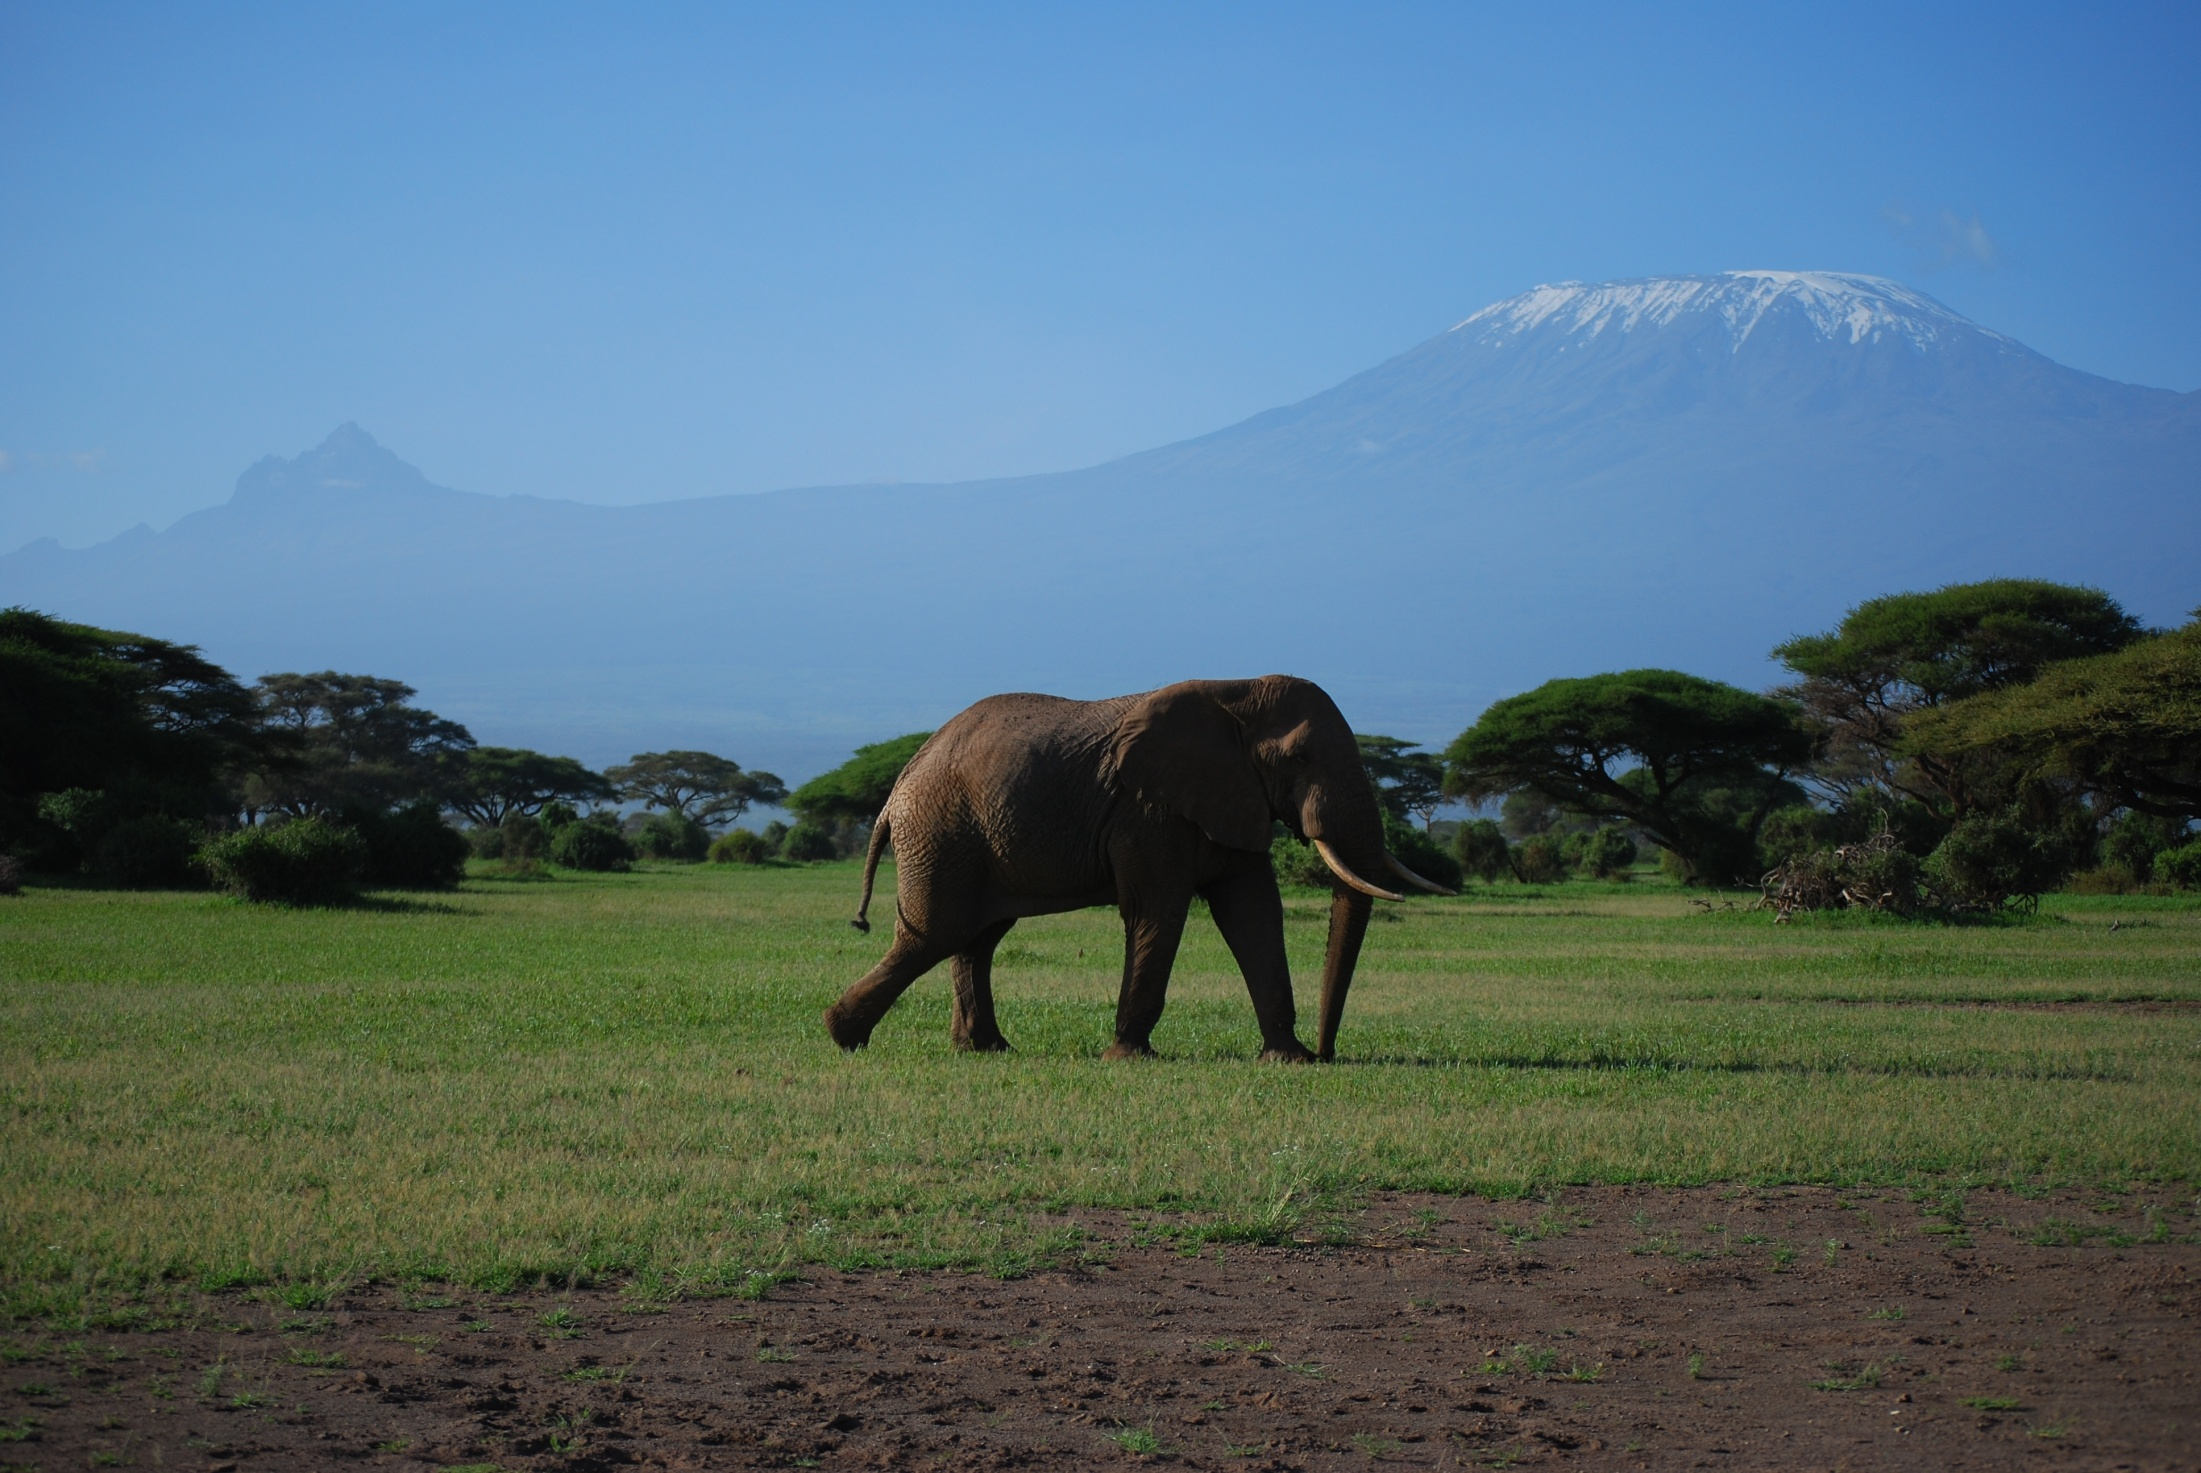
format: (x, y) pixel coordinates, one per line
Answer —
(1019, 728)
(1021, 774)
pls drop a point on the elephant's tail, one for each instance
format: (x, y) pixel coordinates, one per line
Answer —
(871, 867)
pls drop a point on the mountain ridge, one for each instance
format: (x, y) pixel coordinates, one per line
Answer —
(1739, 460)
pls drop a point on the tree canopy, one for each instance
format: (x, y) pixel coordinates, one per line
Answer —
(2125, 725)
(699, 786)
(1695, 764)
(352, 741)
(1908, 652)
(856, 790)
(89, 708)
(1409, 782)
(501, 781)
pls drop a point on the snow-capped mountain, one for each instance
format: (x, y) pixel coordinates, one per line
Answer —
(1839, 307)
(1679, 471)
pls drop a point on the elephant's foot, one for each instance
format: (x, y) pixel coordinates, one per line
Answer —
(846, 1032)
(987, 1044)
(1293, 1053)
(1121, 1050)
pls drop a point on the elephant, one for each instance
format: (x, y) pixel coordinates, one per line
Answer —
(1027, 805)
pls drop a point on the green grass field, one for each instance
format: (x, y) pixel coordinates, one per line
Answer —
(625, 1074)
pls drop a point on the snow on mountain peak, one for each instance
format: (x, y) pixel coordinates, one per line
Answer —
(1839, 306)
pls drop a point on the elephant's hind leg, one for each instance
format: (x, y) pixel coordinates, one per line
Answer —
(974, 1029)
(858, 1010)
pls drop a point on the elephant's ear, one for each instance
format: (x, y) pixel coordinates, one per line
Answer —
(1180, 752)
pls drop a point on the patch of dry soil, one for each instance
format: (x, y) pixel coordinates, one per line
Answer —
(1615, 1328)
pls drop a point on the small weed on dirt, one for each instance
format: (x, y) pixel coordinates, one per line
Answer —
(1139, 1441)
(1865, 1378)
(562, 1323)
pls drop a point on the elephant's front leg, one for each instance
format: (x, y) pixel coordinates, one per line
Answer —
(1250, 914)
(974, 1029)
(1150, 937)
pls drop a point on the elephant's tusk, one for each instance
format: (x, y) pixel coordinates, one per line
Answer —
(1413, 879)
(1339, 868)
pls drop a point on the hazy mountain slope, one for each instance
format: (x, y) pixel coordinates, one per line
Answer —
(1679, 471)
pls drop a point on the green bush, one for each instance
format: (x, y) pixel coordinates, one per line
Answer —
(1296, 863)
(1541, 859)
(1481, 849)
(739, 846)
(310, 861)
(150, 853)
(2135, 841)
(807, 842)
(412, 848)
(1991, 859)
(2180, 866)
(591, 845)
(11, 875)
(774, 835)
(70, 822)
(518, 839)
(1796, 829)
(672, 836)
(1608, 852)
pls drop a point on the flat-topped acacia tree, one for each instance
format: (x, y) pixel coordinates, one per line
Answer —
(502, 781)
(698, 786)
(1895, 657)
(1695, 764)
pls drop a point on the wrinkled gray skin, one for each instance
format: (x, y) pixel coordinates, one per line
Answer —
(1027, 805)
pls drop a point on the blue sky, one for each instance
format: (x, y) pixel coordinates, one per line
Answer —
(639, 252)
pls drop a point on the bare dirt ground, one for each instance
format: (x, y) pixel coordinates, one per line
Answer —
(1610, 1328)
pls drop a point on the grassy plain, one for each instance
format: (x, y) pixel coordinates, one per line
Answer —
(625, 1075)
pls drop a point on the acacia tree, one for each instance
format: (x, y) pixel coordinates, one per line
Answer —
(501, 781)
(352, 741)
(2125, 725)
(855, 791)
(697, 786)
(1694, 764)
(1409, 783)
(150, 725)
(1894, 657)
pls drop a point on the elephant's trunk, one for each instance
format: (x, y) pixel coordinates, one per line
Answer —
(1346, 828)
(1349, 911)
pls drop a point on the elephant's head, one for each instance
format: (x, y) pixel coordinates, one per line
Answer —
(1235, 757)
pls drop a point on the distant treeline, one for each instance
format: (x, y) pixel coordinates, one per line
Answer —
(1937, 753)
(138, 762)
